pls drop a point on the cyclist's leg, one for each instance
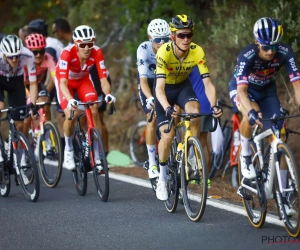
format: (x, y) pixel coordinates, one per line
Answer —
(44, 96)
(150, 132)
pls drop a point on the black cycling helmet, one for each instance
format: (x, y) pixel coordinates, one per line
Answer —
(181, 22)
(1, 36)
(39, 26)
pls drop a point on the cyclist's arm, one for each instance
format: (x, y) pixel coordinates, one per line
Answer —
(242, 92)
(64, 89)
(145, 87)
(49, 82)
(296, 86)
(33, 87)
(105, 86)
(160, 92)
(210, 91)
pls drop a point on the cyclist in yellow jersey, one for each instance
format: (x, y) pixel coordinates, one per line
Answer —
(174, 62)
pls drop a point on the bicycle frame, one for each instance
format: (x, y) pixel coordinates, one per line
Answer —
(233, 150)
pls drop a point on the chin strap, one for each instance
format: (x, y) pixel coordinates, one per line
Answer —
(180, 48)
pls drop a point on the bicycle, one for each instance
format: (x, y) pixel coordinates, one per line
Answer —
(12, 159)
(187, 168)
(86, 147)
(258, 191)
(231, 141)
(47, 147)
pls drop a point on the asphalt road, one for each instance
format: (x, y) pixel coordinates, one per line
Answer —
(131, 219)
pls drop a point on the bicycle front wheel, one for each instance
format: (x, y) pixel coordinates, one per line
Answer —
(27, 171)
(172, 180)
(292, 196)
(50, 157)
(194, 179)
(138, 148)
(4, 173)
(80, 173)
(254, 204)
(100, 170)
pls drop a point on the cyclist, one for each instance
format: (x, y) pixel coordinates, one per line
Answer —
(13, 58)
(159, 33)
(23, 33)
(252, 87)
(174, 62)
(73, 74)
(62, 31)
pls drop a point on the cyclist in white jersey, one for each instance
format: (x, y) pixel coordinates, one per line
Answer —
(13, 58)
(159, 33)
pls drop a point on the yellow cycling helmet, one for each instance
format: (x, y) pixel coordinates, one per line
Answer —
(181, 22)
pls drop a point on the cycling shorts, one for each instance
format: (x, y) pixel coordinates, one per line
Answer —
(265, 97)
(84, 88)
(179, 94)
(15, 94)
(142, 96)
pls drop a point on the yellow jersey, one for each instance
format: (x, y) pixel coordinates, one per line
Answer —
(168, 65)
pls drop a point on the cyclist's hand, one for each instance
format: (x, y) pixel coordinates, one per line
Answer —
(170, 112)
(72, 104)
(253, 118)
(34, 112)
(217, 111)
(110, 99)
(150, 102)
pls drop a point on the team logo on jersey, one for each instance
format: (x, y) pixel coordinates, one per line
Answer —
(102, 65)
(168, 47)
(193, 46)
(152, 67)
(63, 64)
(140, 62)
(249, 54)
(144, 46)
(265, 72)
(170, 69)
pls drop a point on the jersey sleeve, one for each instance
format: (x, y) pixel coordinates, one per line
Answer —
(291, 67)
(63, 65)
(161, 65)
(31, 68)
(100, 64)
(51, 65)
(202, 67)
(141, 55)
(241, 73)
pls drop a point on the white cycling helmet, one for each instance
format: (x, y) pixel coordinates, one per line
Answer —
(84, 33)
(11, 45)
(158, 28)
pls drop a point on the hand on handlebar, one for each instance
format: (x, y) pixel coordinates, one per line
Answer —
(170, 112)
(150, 103)
(110, 99)
(253, 118)
(217, 111)
(72, 104)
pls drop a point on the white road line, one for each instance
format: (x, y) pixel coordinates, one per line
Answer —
(214, 203)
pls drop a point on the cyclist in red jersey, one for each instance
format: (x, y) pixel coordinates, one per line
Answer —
(73, 74)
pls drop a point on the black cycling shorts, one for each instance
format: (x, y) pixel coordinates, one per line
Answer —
(179, 94)
(15, 93)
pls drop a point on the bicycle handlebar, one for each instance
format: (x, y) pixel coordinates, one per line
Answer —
(222, 103)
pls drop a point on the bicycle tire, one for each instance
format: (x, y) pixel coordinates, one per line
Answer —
(137, 145)
(28, 175)
(195, 197)
(50, 174)
(172, 179)
(101, 177)
(291, 223)
(256, 217)
(4, 173)
(80, 173)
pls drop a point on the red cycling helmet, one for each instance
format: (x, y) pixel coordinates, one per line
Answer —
(35, 41)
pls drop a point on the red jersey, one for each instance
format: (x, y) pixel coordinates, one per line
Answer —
(69, 66)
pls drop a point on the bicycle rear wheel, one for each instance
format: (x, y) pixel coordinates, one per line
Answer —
(172, 180)
(292, 222)
(100, 172)
(4, 173)
(138, 148)
(254, 204)
(27, 174)
(194, 180)
(50, 157)
(80, 173)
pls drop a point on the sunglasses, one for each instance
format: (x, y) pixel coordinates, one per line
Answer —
(83, 45)
(269, 47)
(36, 52)
(185, 35)
(12, 57)
(161, 39)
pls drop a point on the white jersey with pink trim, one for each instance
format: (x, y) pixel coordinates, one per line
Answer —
(26, 59)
